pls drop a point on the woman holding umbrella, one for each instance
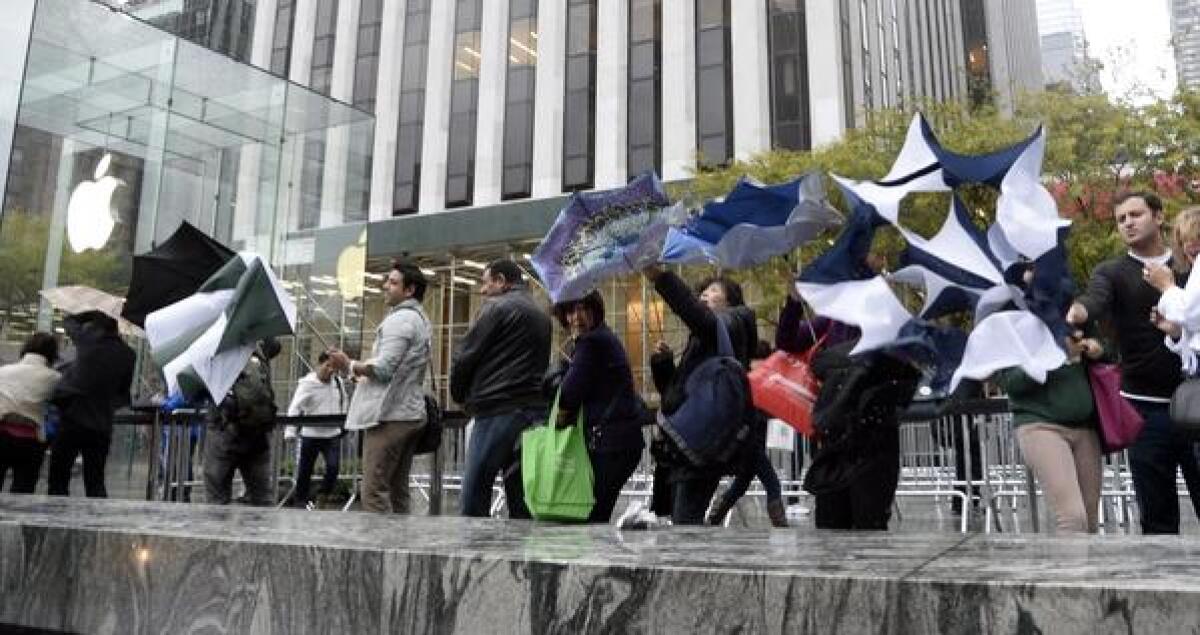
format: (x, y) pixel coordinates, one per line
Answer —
(594, 374)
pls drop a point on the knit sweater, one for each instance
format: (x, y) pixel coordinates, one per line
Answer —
(1065, 399)
(1118, 293)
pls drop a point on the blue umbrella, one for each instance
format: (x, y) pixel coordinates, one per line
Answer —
(753, 223)
(602, 234)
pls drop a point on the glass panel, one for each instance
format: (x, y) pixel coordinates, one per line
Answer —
(123, 132)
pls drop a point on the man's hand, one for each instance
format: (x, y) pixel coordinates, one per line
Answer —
(1077, 314)
(662, 347)
(1158, 276)
(1166, 326)
(652, 272)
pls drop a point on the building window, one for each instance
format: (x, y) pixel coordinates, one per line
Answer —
(407, 193)
(847, 63)
(579, 108)
(281, 43)
(312, 173)
(464, 104)
(864, 37)
(974, 27)
(366, 63)
(714, 97)
(789, 75)
(324, 37)
(884, 88)
(897, 61)
(518, 100)
(645, 87)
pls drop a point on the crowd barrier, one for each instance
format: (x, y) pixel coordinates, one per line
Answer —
(968, 455)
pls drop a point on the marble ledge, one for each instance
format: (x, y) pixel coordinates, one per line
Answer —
(135, 567)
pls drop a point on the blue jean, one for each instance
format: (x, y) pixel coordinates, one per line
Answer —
(1153, 459)
(494, 452)
(758, 466)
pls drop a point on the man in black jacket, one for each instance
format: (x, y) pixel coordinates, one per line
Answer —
(1150, 372)
(497, 376)
(91, 389)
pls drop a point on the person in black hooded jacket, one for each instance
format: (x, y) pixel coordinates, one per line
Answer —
(689, 487)
(92, 387)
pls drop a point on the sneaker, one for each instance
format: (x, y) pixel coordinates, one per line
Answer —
(637, 517)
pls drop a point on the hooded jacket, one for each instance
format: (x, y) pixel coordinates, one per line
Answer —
(98, 381)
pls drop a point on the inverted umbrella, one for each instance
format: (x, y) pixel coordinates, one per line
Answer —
(602, 234)
(203, 341)
(172, 271)
(753, 223)
(75, 299)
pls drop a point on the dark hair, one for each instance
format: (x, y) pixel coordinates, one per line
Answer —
(1150, 198)
(762, 351)
(269, 348)
(507, 268)
(323, 357)
(733, 290)
(593, 302)
(412, 276)
(43, 344)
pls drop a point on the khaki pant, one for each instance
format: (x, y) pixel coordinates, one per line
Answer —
(387, 460)
(1066, 462)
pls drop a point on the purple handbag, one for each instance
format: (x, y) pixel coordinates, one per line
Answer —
(1120, 422)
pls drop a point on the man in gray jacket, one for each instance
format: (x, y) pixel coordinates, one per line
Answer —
(497, 377)
(388, 402)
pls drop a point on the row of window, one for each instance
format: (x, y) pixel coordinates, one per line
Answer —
(714, 92)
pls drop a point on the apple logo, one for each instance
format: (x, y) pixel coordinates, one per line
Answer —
(90, 213)
(351, 264)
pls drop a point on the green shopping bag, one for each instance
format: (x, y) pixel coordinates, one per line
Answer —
(556, 470)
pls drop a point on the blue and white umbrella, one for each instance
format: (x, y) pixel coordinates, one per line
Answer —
(753, 223)
(961, 268)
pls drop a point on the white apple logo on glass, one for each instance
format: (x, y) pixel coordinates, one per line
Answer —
(352, 261)
(90, 212)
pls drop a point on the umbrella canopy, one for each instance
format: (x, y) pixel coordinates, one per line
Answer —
(602, 234)
(172, 271)
(753, 223)
(76, 299)
(203, 341)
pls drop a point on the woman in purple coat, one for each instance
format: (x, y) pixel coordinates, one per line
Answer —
(594, 374)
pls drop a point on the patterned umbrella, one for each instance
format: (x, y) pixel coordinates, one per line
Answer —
(79, 299)
(602, 234)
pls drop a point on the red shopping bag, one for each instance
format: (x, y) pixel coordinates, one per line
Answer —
(784, 386)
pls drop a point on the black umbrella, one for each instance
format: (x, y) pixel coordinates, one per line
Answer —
(172, 271)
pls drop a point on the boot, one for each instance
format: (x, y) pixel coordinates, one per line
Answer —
(777, 513)
(720, 509)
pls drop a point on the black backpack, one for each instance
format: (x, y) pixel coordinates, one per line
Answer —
(250, 403)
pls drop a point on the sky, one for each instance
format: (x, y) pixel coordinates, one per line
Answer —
(1133, 44)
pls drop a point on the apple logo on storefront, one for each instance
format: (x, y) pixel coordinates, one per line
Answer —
(90, 213)
(351, 264)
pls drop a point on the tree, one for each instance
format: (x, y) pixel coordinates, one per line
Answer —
(23, 246)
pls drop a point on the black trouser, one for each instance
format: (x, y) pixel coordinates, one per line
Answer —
(310, 449)
(867, 502)
(1153, 459)
(73, 440)
(690, 499)
(25, 457)
(612, 470)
